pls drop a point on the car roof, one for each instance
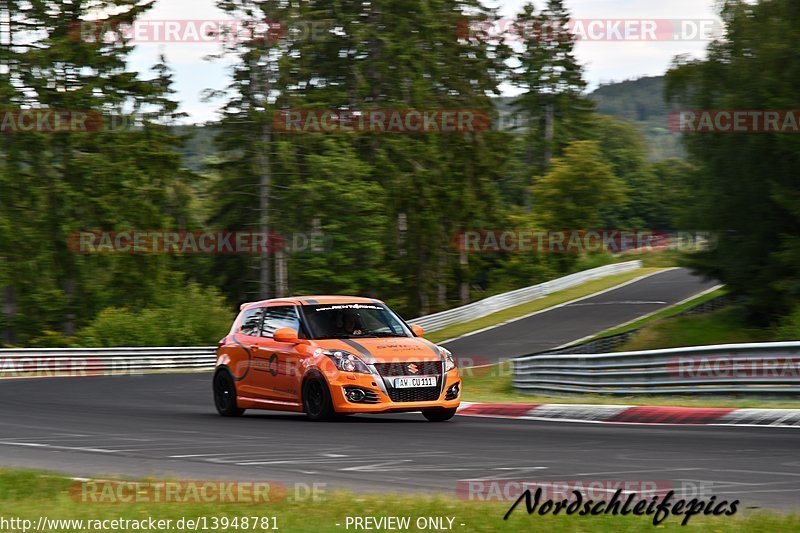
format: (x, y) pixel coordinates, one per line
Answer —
(312, 300)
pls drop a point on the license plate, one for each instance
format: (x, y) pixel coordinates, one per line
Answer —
(413, 383)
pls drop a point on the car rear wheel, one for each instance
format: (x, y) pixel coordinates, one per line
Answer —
(225, 394)
(317, 402)
(439, 415)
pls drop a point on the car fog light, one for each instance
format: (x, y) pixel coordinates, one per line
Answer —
(355, 395)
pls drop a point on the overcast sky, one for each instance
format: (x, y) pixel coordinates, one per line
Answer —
(604, 61)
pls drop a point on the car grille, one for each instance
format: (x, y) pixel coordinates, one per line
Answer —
(423, 394)
(426, 368)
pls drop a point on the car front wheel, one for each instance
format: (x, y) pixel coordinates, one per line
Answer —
(317, 401)
(225, 394)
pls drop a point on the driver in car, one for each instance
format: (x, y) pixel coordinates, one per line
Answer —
(352, 324)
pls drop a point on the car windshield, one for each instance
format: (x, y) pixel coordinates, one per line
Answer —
(349, 321)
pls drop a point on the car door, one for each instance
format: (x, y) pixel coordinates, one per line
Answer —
(277, 363)
(249, 343)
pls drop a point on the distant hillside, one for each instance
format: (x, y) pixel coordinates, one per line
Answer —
(199, 145)
(639, 101)
(642, 102)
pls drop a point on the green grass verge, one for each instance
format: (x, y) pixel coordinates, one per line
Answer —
(551, 300)
(661, 315)
(30, 495)
(494, 385)
(726, 326)
(659, 331)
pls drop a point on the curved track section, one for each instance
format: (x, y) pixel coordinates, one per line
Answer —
(589, 316)
(165, 425)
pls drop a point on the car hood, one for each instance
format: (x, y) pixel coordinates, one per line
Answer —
(386, 350)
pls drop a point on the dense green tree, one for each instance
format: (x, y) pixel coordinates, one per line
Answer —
(552, 108)
(578, 187)
(107, 178)
(374, 214)
(746, 187)
(386, 55)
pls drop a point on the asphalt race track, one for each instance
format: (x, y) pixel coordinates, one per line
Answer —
(165, 425)
(581, 319)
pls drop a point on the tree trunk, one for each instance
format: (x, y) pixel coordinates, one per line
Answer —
(69, 292)
(441, 280)
(549, 136)
(281, 274)
(263, 194)
(422, 286)
(464, 289)
(9, 313)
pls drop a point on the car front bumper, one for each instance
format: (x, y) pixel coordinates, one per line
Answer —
(380, 391)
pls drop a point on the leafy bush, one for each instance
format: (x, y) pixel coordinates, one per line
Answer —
(191, 316)
(789, 327)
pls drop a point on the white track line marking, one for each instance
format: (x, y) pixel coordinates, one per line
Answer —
(55, 447)
(618, 472)
(794, 474)
(376, 467)
(648, 315)
(195, 455)
(512, 320)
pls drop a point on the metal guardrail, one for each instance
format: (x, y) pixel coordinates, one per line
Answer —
(46, 362)
(765, 368)
(499, 302)
(612, 342)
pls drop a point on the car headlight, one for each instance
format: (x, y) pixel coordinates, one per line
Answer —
(345, 361)
(449, 360)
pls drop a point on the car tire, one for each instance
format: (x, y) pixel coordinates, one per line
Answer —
(439, 415)
(225, 394)
(317, 402)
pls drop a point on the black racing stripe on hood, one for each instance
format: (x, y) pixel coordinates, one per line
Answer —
(362, 351)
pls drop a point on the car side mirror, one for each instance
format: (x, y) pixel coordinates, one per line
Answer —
(288, 335)
(419, 331)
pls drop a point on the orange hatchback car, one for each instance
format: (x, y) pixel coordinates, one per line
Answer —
(332, 355)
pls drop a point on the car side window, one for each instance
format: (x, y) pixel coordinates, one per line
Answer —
(251, 321)
(279, 317)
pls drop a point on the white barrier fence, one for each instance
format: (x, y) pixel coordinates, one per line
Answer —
(499, 302)
(765, 368)
(45, 362)
(75, 362)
